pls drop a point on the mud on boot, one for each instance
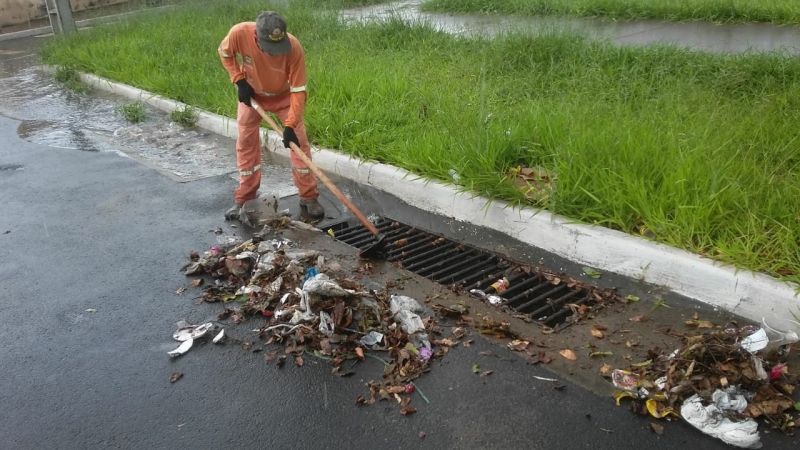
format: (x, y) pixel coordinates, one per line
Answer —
(233, 212)
(311, 209)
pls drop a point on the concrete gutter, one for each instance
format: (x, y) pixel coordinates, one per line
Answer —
(751, 295)
(82, 23)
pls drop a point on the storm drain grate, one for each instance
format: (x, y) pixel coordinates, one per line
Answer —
(478, 271)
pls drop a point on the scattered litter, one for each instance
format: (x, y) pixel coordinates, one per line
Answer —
(659, 304)
(220, 336)
(720, 379)
(569, 354)
(494, 300)
(183, 348)
(91, 310)
(712, 421)
(410, 322)
(591, 272)
(228, 241)
(324, 286)
(756, 341)
(401, 302)
(372, 338)
(454, 176)
(309, 313)
(545, 379)
(657, 427)
(185, 333)
(175, 377)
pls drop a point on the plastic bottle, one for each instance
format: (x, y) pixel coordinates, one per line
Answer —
(496, 288)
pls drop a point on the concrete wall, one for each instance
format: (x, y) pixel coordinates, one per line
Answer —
(14, 12)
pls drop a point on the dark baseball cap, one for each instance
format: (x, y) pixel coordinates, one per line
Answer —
(271, 33)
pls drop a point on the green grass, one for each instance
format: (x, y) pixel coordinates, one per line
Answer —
(698, 148)
(133, 112)
(70, 78)
(777, 11)
(185, 116)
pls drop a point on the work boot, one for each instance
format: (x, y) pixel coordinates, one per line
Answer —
(238, 212)
(233, 212)
(312, 208)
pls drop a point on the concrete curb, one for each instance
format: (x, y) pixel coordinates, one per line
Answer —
(751, 295)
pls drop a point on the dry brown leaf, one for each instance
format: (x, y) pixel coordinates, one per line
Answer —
(197, 282)
(299, 361)
(486, 373)
(569, 354)
(270, 356)
(606, 369)
(175, 377)
(181, 290)
(641, 318)
(657, 427)
(408, 411)
(360, 353)
(597, 333)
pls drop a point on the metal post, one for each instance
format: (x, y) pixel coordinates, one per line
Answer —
(60, 13)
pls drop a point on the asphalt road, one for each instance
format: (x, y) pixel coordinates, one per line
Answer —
(96, 230)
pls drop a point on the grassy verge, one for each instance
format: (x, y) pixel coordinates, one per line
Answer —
(777, 11)
(699, 149)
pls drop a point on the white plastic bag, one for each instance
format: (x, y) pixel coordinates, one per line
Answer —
(712, 421)
(409, 322)
(401, 302)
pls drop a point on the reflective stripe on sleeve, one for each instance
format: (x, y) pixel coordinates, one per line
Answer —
(223, 54)
(302, 170)
(298, 89)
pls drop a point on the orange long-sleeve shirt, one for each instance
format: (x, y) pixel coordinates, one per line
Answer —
(269, 75)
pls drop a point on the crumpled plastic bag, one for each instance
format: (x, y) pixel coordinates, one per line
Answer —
(729, 400)
(303, 314)
(401, 302)
(410, 322)
(326, 326)
(322, 285)
(711, 420)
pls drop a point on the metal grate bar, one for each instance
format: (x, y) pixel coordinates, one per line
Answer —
(492, 262)
(541, 298)
(456, 267)
(446, 261)
(429, 265)
(407, 254)
(426, 256)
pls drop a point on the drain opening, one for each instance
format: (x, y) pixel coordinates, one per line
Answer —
(451, 263)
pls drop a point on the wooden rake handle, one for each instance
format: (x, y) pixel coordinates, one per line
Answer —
(325, 180)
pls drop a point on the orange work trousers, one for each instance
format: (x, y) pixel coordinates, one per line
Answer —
(248, 150)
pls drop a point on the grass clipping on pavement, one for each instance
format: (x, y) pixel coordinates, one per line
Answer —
(777, 11)
(694, 150)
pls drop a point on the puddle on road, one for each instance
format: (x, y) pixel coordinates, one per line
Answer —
(53, 116)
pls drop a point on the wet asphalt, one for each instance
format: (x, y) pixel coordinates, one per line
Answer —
(97, 230)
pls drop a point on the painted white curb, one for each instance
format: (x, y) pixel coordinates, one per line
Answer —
(748, 294)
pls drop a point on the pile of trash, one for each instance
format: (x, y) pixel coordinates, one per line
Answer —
(312, 310)
(719, 381)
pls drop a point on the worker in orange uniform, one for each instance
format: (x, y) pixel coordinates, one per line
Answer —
(272, 72)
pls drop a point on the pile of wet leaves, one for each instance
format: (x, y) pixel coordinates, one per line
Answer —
(311, 309)
(716, 381)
